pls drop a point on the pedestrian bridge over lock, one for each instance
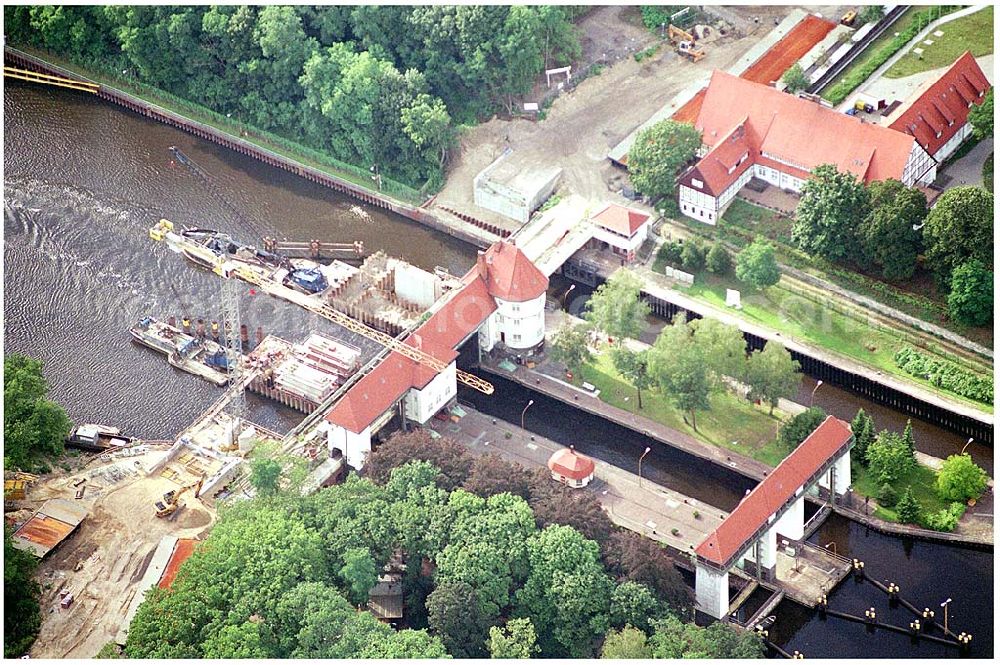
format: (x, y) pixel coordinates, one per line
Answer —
(748, 537)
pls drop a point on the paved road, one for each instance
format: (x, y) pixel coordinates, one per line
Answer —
(639, 505)
(969, 169)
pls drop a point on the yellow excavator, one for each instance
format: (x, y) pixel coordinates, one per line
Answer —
(172, 500)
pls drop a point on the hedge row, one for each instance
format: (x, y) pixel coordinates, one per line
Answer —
(945, 375)
(839, 92)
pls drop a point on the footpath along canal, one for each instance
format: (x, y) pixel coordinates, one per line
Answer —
(83, 181)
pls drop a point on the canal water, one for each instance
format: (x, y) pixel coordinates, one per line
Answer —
(84, 181)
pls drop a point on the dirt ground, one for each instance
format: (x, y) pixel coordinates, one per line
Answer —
(103, 560)
(583, 125)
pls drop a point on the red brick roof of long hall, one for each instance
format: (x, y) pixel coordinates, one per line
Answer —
(799, 131)
(374, 393)
(183, 549)
(788, 50)
(732, 536)
(927, 113)
(509, 273)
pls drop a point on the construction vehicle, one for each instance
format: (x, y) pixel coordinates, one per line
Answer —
(307, 280)
(685, 43)
(172, 500)
(848, 18)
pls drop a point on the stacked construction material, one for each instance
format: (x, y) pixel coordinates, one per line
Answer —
(309, 373)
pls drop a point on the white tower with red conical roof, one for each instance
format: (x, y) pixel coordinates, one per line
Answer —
(518, 287)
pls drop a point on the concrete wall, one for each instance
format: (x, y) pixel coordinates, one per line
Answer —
(711, 590)
(354, 446)
(513, 194)
(415, 285)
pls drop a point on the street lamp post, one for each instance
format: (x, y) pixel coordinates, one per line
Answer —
(812, 395)
(565, 295)
(945, 606)
(377, 177)
(646, 452)
(530, 402)
(966, 445)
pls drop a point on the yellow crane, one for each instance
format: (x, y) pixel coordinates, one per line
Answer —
(47, 79)
(163, 231)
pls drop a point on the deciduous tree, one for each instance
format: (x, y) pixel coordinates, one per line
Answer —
(723, 347)
(772, 374)
(795, 79)
(570, 347)
(627, 643)
(265, 474)
(634, 368)
(451, 458)
(634, 604)
(21, 618)
(453, 614)
(680, 367)
(616, 308)
(890, 233)
(756, 265)
(33, 426)
(981, 117)
(959, 228)
(492, 474)
(516, 639)
(971, 299)
(718, 260)
(800, 426)
(358, 574)
(657, 155)
(961, 479)
(635, 558)
(832, 204)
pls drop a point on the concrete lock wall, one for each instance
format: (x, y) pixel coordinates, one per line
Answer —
(415, 285)
(711, 590)
(355, 447)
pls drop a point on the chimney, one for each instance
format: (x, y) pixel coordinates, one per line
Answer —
(481, 265)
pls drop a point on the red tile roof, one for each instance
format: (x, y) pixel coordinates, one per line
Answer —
(372, 396)
(620, 219)
(799, 132)
(940, 107)
(509, 273)
(721, 167)
(779, 486)
(571, 464)
(689, 112)
(183, 549)
(772, 65)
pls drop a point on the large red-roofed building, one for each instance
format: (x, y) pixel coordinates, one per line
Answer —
(502, 300)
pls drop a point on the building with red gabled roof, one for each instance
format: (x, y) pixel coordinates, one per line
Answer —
(502, 299)
(775, 506)
(621, 229)
(937, 114)
(750, 130)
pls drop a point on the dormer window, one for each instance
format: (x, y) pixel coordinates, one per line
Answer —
(697, 183)
(938, 135)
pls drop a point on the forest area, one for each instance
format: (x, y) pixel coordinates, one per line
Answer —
(374, 86)
(498, 562)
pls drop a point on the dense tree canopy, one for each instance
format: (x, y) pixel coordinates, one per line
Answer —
(971, 298)
(827, 216)
(616, 308)
(772, 374)
(33, 426)
(21, 617)
(888, 237)
(371, 85)
(681, 368)
(889, 457)
(570, 346)
(800, 426)
(756, 265)
(961, 479)
(658, 154)
(959, 228)
(795, 79)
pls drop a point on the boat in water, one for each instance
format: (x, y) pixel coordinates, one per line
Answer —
(210, 249)
(204, 358)
(97, 438)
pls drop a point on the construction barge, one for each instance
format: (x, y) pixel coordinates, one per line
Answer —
(204, 358)
(97, 438)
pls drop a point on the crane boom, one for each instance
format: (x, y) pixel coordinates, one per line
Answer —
(163, 231)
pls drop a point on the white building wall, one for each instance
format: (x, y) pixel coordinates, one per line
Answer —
(697, 205)
(791, 522)
(489, 335)
(711, 590)
(920, 167)
(842, 481)
(615, 240)
(520, 325)
(420, 405)
(944, 152)
(355, 447)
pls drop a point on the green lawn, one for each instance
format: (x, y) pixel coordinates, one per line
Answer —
(816, 323)
(921, 480)
(969, 33)
(730, 422)
(759, 220)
